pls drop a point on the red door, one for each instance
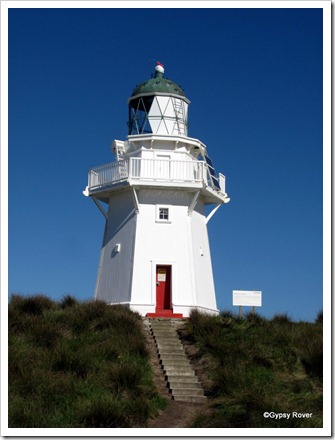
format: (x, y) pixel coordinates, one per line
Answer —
(163, 289)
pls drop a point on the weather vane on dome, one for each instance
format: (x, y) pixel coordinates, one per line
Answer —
(159, 67)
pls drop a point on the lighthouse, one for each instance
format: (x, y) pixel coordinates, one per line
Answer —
(157, 198)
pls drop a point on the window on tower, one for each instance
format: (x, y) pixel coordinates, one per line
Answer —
(163, 214)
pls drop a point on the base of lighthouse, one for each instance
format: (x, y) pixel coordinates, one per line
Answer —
(155, 258)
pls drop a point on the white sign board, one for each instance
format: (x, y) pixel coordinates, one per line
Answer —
(161, 275)
(247, 298)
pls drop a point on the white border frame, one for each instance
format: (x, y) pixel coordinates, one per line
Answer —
(260, 432)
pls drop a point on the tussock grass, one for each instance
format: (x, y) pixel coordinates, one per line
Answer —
(258, 365)
(78, 364)
(319, 317)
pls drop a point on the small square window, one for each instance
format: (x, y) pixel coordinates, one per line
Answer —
(163, 214)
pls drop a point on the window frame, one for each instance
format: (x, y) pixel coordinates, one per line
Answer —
(159, 209)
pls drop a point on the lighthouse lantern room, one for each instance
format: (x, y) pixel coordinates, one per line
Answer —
(155, 255)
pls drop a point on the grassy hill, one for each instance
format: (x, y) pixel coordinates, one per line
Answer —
(78, 365)
(86, 364)
(254, 366)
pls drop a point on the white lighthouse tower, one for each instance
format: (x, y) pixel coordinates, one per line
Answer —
(155, 256)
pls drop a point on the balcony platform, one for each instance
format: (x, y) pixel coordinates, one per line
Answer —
(189, 175)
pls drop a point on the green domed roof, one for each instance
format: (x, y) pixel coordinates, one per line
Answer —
(158, 84)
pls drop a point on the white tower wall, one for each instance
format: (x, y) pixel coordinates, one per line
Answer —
(164, 243)
(204, 283)
(115, 266)
(134, 244)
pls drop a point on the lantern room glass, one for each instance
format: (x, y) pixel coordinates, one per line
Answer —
(158, 114)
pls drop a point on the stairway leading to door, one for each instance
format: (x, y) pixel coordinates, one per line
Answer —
(179, 375)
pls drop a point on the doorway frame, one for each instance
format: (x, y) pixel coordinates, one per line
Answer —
(154, 264)
(167, 292)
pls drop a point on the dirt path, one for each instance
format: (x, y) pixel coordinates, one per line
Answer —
(176, 415)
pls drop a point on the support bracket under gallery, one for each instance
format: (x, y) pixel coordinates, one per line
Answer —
(104, 213)
(213, 211)
(193, 203)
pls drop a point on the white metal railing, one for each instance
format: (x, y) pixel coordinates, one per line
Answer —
(136, 168)
(222, 182)
(165, 170)
(108, 173)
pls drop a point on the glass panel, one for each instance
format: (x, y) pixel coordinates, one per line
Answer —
(216, 183)
(163, 213)
(209, 161)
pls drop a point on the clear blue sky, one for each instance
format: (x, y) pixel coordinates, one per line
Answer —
(254, 78)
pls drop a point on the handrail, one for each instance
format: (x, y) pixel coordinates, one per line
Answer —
(136, 168)
(108, 173)
(165, 170)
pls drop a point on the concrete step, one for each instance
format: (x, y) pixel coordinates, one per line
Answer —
(176, 364)
(164, 331)
(170, 343)
(172, 355)
(166, 338)
(187, 392)
(162, 325)
(175, 386)
(169, 350)
(163, 321)
(165, 334)
(163, 328)
(156, 325)
(170, 330)
(174, 360)
(174, 378)
(175, 356)
(178, 367)
(193, 399)
(180, 371)
(173, 348)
